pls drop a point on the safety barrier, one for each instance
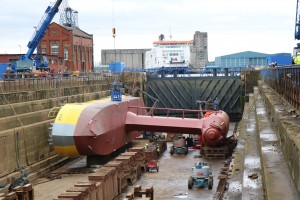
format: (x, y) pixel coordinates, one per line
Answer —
(285, 81)
(52, 81)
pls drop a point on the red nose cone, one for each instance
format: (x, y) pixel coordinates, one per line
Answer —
(211, 135)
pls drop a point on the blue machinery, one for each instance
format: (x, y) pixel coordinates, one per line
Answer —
(26, 62)
(202, 176)
(297, 29)
(116, 69)
(297, 23)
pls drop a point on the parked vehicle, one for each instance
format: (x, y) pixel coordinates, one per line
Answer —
(152, 165)
(201, 176)
(179, 145)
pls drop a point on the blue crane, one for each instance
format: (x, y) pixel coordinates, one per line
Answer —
(26, 62)
(297, 30)
(297, 24)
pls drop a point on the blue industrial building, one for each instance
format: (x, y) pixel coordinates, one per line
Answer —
(281, 59)
(250, 59)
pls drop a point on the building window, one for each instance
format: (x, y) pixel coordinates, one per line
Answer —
(44, 51)
(66, 53)
(54, 49)
(61, 61)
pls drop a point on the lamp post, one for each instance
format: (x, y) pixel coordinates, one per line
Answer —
(20, 48)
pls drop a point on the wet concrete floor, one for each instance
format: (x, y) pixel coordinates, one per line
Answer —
(171, 182)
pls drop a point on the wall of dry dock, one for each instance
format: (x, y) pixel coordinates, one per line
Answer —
(287, 126)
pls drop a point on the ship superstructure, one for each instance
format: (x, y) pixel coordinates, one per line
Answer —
(169, 54)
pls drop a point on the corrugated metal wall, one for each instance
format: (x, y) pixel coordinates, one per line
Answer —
(183, 92)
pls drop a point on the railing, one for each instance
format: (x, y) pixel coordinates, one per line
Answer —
(170, 112)
(285, 81)
(52, 81)
(194, 72)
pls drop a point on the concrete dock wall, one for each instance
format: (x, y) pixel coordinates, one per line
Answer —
(285, 121)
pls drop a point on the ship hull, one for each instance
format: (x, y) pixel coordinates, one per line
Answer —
(94, 128)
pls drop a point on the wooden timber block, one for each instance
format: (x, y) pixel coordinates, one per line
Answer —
(140, 152)
(128, 161)
(129, 196)
(70, 195)
(91, 189)
(24, 192)
(11, 196)
(117, 164)
(137, 149)
(137, 189)
(99, 189)
(83, 190)
(123, 182)
(91, 186)
(113, 180)
(28, 190)
(108, 177)
(129, 154)
(148, 192)
(222, 176)
(105, 171)
(19, 192)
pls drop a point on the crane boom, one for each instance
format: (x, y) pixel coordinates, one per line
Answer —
(39, 33)
(297, 23)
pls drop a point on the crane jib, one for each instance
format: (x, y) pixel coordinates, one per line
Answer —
(41, 29)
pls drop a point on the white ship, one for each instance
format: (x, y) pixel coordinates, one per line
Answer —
(169, 54)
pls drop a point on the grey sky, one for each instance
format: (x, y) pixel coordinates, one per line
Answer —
(265, 26)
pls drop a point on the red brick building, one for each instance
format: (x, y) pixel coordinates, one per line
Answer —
(68, 49)
(72, 47)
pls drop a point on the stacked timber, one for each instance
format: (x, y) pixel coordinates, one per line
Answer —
(19, 193)
(138, 162)
(108, 177)
(129, 168)
(140, 193)
(140, 158)
(90, 189)
(10, 196)
(71, 196)
(83, 191)
(121, 175)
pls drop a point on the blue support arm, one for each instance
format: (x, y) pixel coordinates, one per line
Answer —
(41, 29)
(297, 23)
